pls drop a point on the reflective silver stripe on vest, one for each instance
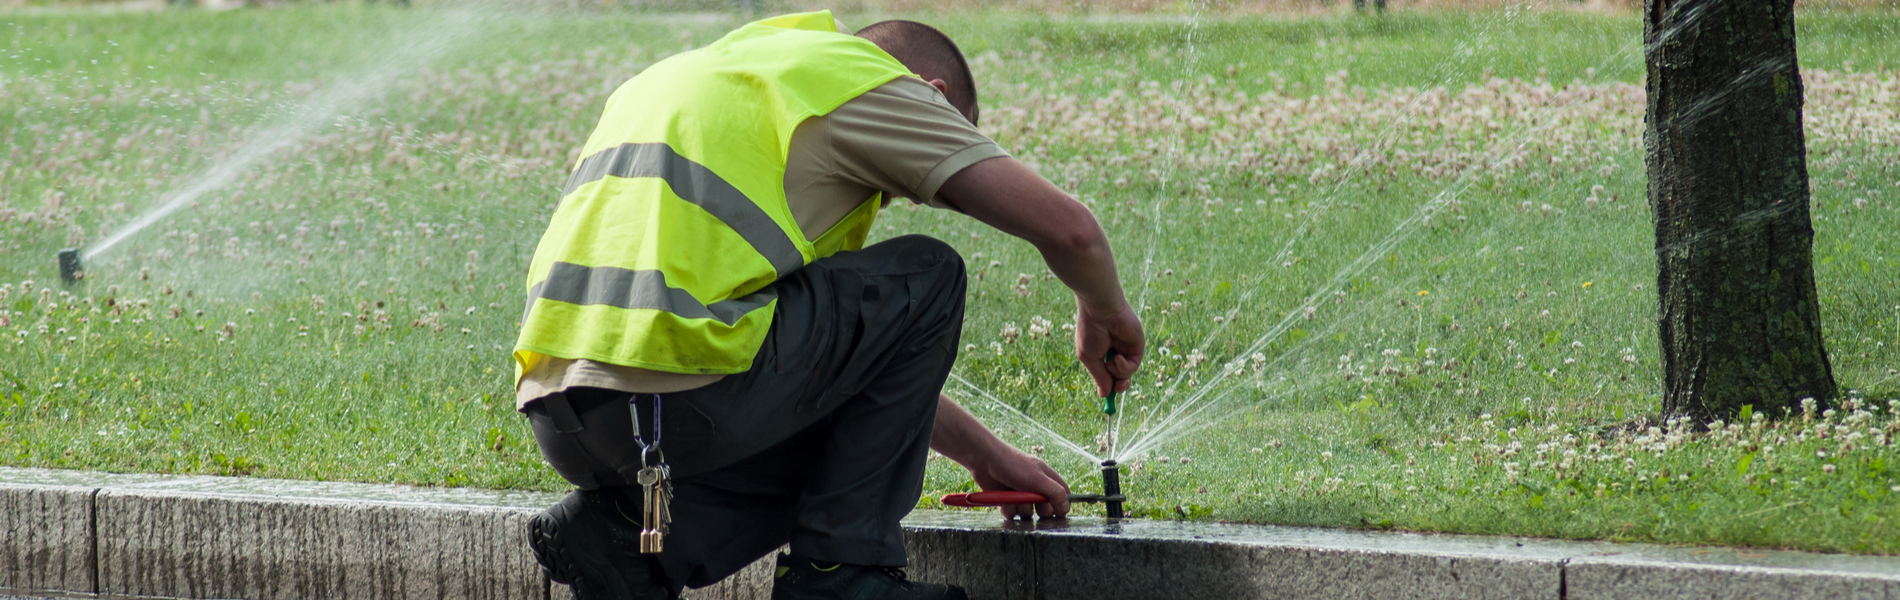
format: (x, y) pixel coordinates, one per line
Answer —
(697, 184)
(627, 288)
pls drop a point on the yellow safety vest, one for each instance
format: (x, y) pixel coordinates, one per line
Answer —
(672, 226)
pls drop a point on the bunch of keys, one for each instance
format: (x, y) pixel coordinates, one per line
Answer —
(658, 489)
(655, 479)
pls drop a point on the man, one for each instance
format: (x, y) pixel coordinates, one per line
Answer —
(702, 306)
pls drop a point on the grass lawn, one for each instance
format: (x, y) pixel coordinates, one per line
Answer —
(1397, 272)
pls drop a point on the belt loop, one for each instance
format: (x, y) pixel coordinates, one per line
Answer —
(562, 412)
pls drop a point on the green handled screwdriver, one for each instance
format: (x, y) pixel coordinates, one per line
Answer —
(1108, 404)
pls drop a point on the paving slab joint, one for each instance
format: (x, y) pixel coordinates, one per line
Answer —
(92, 558)
(1563, 579)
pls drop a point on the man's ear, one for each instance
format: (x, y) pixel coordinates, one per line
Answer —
(944, 88)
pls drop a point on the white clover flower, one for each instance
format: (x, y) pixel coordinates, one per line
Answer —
(1195, 359)
(1039, 327)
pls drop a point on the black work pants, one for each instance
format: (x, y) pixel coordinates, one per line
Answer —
(820, 444)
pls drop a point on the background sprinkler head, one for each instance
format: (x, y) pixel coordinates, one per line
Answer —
(1112, 488)
(69, 271)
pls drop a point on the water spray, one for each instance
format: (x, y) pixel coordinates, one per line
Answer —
(1111, 496)
(69, 269)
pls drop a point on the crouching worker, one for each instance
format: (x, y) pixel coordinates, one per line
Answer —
(718, 363)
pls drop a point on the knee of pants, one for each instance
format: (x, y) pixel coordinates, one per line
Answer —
(599, 456)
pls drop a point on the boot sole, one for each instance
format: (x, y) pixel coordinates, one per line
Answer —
(543, 539)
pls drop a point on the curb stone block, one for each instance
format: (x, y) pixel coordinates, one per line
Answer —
(1148, 559)
(751, 583)
(74, 534)
(196, 545)
(992, 564)
(46, 540)
(1727, 573)
(1097, 567)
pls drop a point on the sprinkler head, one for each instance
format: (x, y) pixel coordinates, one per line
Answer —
(1112, 489)
(69, 271)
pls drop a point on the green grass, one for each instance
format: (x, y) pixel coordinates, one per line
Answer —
(368, 342)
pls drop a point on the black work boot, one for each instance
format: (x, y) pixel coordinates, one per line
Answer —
(590, 541)
(801, 579)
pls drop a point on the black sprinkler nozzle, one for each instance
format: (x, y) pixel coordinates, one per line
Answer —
(69, 271)
(1112, 489)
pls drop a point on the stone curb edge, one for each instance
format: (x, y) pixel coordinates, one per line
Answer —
(97, 535)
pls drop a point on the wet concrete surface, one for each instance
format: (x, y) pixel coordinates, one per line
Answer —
(276, 487)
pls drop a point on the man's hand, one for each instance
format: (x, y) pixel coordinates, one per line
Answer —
(1096, 334)
(996, 465)
(1015, 471)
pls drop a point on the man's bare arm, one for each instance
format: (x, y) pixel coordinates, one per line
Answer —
(996, 465)
(1005, 194)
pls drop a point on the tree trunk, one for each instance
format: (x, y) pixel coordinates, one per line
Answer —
(1728, 182)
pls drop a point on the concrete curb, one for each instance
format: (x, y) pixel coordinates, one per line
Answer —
(67, 533)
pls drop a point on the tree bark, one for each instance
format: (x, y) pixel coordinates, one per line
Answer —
(1728, 182)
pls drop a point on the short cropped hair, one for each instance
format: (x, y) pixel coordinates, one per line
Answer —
(931, 55)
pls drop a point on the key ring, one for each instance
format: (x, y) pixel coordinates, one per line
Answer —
(633, 409)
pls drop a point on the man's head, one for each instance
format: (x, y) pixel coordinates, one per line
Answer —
(931, 55)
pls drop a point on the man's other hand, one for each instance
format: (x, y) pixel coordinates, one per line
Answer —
(1012, 470)
(1098, 332)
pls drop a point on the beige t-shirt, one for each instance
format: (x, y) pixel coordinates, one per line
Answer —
(902, 138)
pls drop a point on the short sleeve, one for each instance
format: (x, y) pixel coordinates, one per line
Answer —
(904, 138)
